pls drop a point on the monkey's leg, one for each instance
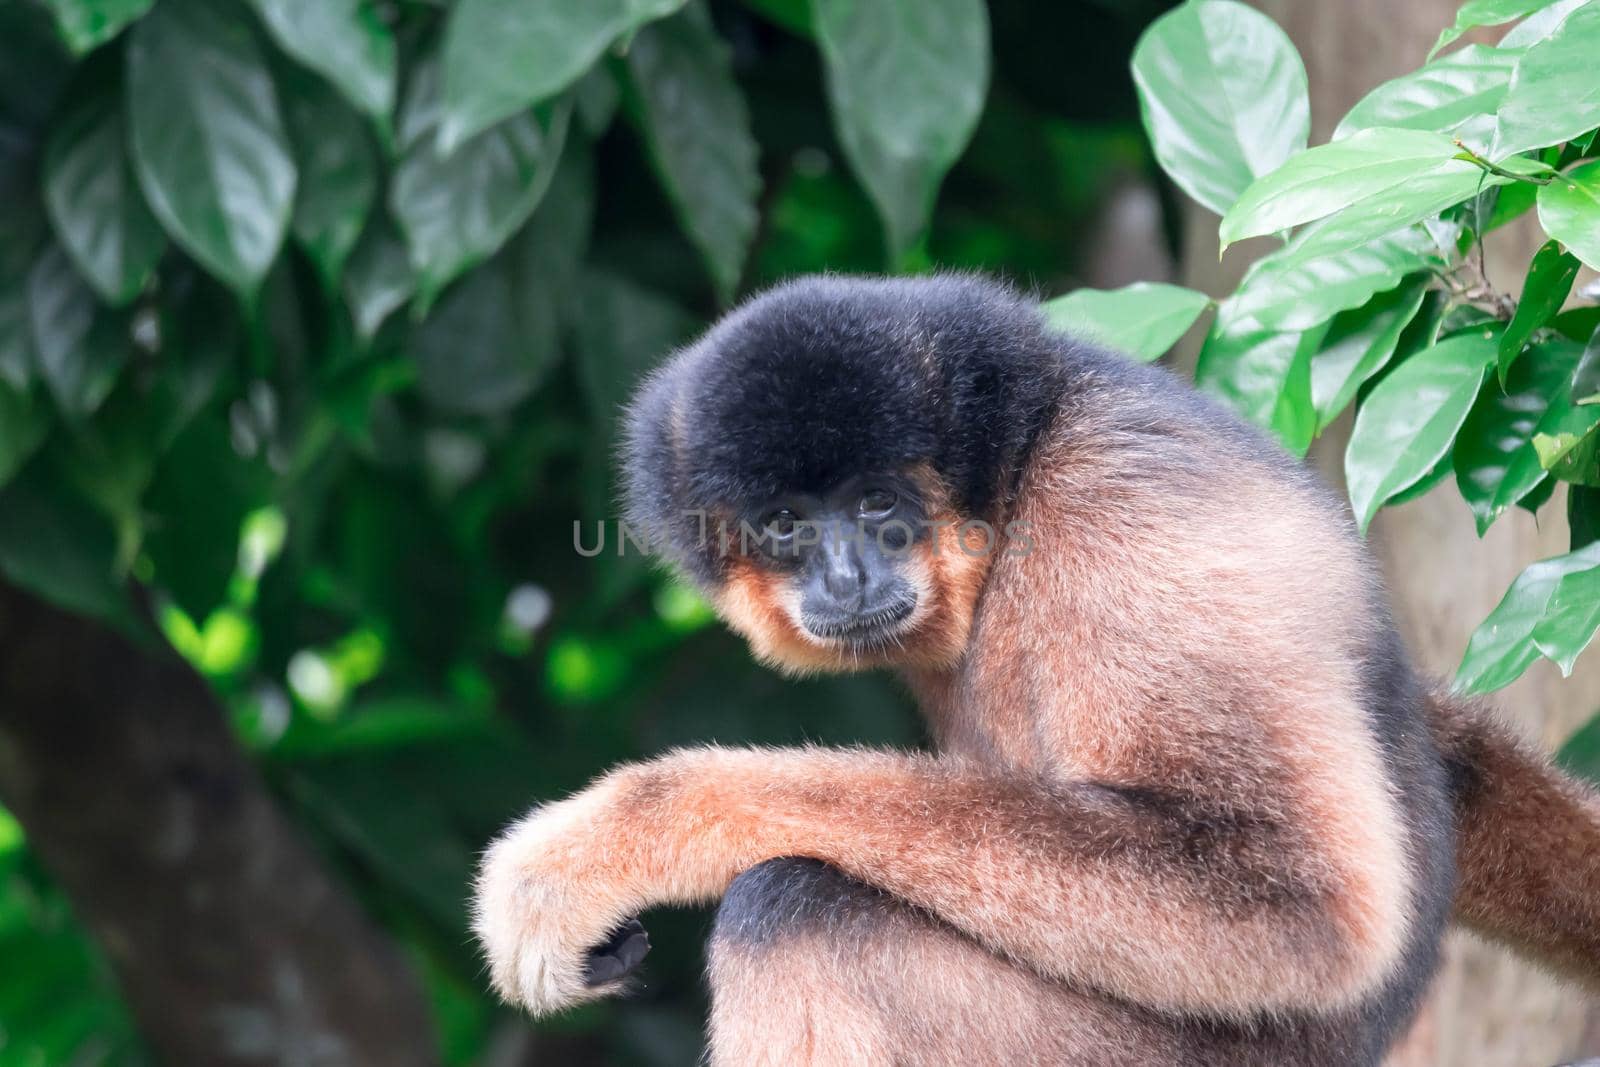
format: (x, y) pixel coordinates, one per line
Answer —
(810, 968)
(1181, 907)
(1528, 845)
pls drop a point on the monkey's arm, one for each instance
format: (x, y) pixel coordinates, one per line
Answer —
(1528, 845)
(1141, 896)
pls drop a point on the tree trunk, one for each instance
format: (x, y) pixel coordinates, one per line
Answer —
(1486, 1009)
(232, 945)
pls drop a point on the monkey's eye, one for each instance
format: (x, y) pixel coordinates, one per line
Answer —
(876, 503)
(780, 523)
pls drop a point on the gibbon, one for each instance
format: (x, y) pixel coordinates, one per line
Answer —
(1189, 802)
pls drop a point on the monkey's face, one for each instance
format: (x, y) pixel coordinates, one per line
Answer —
(837, 432)
(870, 572)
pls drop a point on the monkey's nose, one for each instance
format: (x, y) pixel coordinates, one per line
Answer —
(845, 579)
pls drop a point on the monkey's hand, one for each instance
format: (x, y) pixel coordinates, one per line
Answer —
(554, 919)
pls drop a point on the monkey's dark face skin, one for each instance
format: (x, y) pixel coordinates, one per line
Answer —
(826, 397)
(847, 556)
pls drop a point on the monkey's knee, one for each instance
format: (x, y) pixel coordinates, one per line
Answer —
(784, 980)
(793, 898)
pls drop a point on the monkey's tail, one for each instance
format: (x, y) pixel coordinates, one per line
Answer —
(1528, 842)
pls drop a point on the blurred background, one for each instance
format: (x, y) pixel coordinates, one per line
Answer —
(315, 320)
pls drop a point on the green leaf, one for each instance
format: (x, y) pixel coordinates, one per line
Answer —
(379, 277)
(80, 348)
(1580, 754)
(906, 83)
(501, 56)
(1325, 179)
(1144, 319)
(1358, 345)
(1568, 443)
(1263, 374)
(87, 24)
(338, 173)
(1511, 201)
(95, 205)
(1586, 376)
(1287, 290)
(698, 129)
(596, 98)
(208, 146)
(1539, 25)
(1475, 13)
(1456, 95)
(195, 508)
(1409, 420)
(1552, 610)
(1496, 465)
(346, 41)
(1569, 211)
(1222, 93)
(1415, 201)
(456, 210)
(496, 336)
(24, 423)
(1583, 515)
(622, 331)
(1550, 278)
(1554, 95)
(55, 545)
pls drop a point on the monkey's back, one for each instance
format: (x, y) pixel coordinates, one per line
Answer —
(1191, 589)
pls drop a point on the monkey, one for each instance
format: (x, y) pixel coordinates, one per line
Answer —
(1187, 801)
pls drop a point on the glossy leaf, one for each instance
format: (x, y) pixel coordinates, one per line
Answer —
(1360, 343)
(379, 277)
(1325, 179)
(1496, 465)
(1288, 290)
(495, 336)
(1455, 95)
(1551, 610)
(1554, 95)
(1541, 24)
(1409, 420)
(1569, 211)
(1586, 376)
(346, 41)
(208, 144)
(698, 130)
(1263, 374)
(1568, 443)
(95, 205)
(906, 82)
(1223, 95)
(456, 210)
(1415, 201)
(79, 348)
(502, 56)
(1475, 13)
(338, 172)
(87, 24)
(1144, 319)
(1550, 278)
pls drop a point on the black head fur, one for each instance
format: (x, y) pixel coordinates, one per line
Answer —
(825, 377)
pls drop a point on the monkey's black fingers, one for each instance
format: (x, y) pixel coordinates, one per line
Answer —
(619, 955)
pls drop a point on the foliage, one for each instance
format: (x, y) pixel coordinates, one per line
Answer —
(315, 318)
(1376, 296)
